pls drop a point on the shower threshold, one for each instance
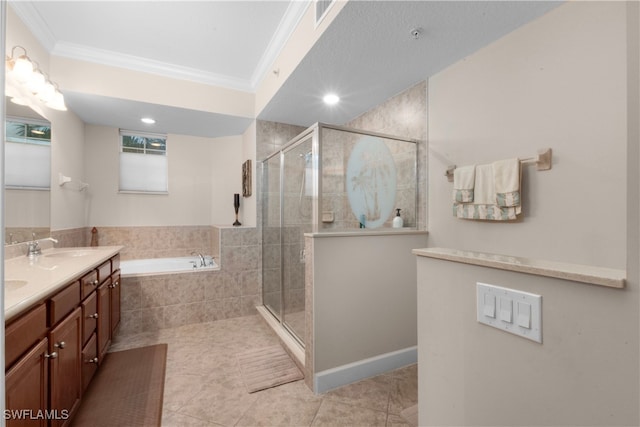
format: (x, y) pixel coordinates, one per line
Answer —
(292, 345)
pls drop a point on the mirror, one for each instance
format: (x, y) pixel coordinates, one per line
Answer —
(27, 174)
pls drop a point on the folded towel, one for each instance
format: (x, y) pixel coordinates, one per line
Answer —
(506, 175)
(463, 183)
(484, 189)
(485, 205)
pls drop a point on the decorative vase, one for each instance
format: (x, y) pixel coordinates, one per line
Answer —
(236, 206)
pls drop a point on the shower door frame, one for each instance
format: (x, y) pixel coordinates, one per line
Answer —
(311, 132)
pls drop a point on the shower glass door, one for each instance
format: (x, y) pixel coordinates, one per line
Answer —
(271, 237)
(297, 204)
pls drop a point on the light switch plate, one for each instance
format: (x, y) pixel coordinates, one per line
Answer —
(524, 309)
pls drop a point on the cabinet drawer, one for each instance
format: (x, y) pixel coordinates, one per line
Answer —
(89, 316)
(89, 361)
(88, 283)
(115, 263)
(104, 271)
(64, 302)
(25, 332)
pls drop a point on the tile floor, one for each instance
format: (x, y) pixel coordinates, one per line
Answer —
(203, 385)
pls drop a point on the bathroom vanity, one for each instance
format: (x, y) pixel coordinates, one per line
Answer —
(62, 307)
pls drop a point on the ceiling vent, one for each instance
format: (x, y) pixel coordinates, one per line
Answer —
(322, 7)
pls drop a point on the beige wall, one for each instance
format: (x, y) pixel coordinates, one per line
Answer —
(226, 179)
(356, 293)
(539, 86)
(67, 136)
(557, 82)
(584, 373)
(203, 174)
(249, 204)
(95, 79)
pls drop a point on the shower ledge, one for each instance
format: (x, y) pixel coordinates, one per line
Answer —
(600, 276)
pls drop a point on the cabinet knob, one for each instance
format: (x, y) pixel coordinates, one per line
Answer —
(95, 282)
(60, 344)
(116, 284)
(94, 360)
(53, 355)
(93, 316)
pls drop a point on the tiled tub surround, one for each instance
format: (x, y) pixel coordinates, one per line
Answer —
(153, 302)
(160, 241)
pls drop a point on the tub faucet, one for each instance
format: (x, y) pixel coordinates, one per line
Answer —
(202, 261)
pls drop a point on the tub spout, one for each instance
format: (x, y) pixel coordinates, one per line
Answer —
(203, 263)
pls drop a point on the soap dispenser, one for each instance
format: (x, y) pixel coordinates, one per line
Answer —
(397, 220)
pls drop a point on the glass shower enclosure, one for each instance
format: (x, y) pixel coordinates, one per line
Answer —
(328, 179)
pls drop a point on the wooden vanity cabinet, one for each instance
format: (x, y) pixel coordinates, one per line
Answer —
(53, 350)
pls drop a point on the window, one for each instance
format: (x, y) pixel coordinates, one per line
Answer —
(143, 162)
(27, 154)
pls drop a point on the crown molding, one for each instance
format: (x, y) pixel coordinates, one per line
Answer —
(136, 63)
(38, 26)
(34, 21)
(294, 13)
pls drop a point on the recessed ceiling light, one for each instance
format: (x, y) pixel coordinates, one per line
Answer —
(147, 120)
(331, 99)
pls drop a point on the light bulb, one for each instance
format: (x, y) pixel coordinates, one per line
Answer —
(22, 69)
(36, 82)
(331, 99)
(47, 92)
(57, 102)
(19, 101)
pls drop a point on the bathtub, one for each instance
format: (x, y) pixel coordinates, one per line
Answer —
(154, 266)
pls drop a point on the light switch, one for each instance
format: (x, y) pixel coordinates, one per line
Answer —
(524, 315)
(489, 306)
(506, 311)
(513, 311)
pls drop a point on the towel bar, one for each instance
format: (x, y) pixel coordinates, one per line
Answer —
(542, 161)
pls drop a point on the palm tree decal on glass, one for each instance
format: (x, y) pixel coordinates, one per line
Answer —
(371, 181)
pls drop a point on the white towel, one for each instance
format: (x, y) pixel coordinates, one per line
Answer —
(463, 184)
(484, 190)
(486, 205)
(506, 175)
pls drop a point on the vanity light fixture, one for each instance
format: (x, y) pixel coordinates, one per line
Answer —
(331, 99)
(148, 120)
(28, 85)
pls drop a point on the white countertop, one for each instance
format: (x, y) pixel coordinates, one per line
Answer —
(576, 272)
(47, 273)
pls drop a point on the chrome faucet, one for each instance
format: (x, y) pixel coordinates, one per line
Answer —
(33, 247)
(203, 263)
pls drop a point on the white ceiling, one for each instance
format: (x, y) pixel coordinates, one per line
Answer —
(366, 56)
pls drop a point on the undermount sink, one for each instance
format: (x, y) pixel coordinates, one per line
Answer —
(12, 285)
(68, 254)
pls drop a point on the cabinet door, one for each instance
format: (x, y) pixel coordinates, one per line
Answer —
(66, 369)
(27, 390)
(115, 302)
(104, 319)
(89, 361)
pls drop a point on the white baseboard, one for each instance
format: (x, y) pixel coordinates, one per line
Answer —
(356, 371)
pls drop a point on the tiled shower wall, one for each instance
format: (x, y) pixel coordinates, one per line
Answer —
(271, 137)
(404, 115)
